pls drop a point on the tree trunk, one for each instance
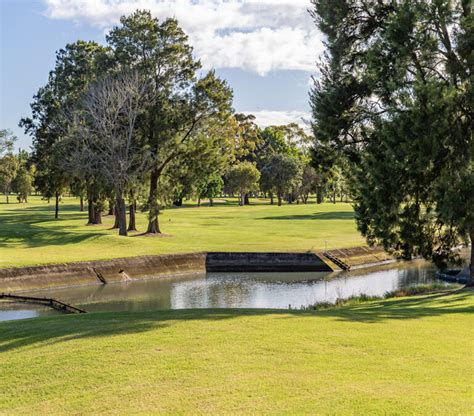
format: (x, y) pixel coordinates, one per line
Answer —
(319, 196)
(271, 198)
(471, 236)
(211, 202)
(116, 221)
(6, 194)
(279, 198)
(97, 215)
(90, 209)
(199, 201)
(111, 207)
(132, 226)
(153, 225)
(81, 203)
(242, 199)
(246, 199)
(56, 211)
(121, 215)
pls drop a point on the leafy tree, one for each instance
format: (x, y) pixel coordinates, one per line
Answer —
(272, 142)
(280, 174)
(79, 190)
(182, 103)
(23, 184)
(335, 183)
(311, 182)
(76, 65)
(247, 138)
(9, 166)
(211, 188)
(395, 99)
(242, 178)
(295, 138)
(7, 140)
(207, 156)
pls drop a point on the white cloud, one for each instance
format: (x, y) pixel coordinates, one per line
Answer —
(256, 35)
(278, 118)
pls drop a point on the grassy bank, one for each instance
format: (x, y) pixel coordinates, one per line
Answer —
(397, 356)
(29, 234)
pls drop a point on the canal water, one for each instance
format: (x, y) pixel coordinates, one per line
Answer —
(230, 290)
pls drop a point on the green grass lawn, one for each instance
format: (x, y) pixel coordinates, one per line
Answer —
(399, 356)
(29, 234)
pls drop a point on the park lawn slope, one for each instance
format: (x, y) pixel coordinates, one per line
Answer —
(398, 356)
(29, 234)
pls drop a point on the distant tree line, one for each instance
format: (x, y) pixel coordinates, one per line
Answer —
(16, 171)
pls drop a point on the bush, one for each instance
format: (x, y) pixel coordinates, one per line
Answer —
(419, 290)
(355, 299)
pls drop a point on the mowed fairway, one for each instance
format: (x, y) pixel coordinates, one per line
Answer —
(401, 356)
(29, 234)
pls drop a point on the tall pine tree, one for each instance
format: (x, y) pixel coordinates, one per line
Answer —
(395, 98)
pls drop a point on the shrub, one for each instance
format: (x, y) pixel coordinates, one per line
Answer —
(419, 290)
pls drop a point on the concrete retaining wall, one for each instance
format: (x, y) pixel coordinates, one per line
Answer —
(116, 270)
(85, 273)
(265, 262)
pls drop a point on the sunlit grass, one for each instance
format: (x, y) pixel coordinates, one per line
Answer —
(29, 234)
(399, 356)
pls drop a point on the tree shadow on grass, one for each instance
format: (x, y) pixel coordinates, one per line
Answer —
(337, 215)
(25, 227)
(405, 308)
(16, 334)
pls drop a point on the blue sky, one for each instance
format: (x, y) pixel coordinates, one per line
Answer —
(265, 49)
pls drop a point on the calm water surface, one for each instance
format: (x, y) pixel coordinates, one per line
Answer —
(230, 290)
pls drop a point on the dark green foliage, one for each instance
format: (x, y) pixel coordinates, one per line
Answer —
(76, 65)
(242, 178)
(183, 105)
(311, 182)
(212, 187)
(23, 184)
(280, 175)
(9, 166)
(395, 101)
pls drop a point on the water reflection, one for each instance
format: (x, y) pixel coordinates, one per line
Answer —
(10, 311)
(231, 290)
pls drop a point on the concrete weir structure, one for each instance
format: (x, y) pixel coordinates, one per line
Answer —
(145, 267)
(265, 262)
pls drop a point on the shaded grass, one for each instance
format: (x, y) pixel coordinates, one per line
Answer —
(29, 234)
(396, 356)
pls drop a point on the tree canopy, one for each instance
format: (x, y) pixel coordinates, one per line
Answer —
(395, 100)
